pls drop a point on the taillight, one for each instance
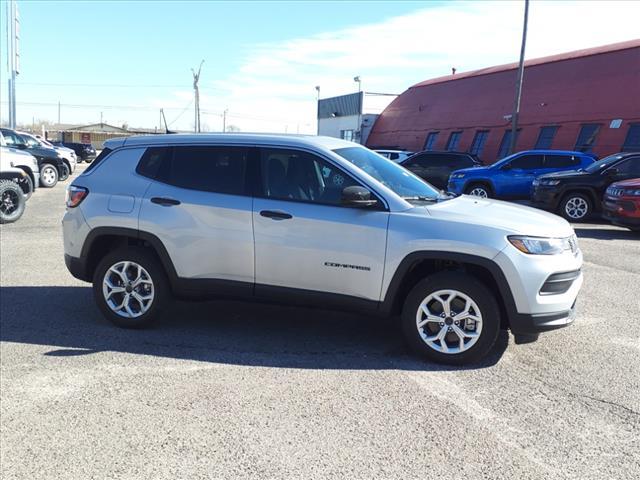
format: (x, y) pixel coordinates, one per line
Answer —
(75, 195)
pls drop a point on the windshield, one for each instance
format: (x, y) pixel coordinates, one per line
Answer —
(600, 165)
(506, 159)
(390, 174)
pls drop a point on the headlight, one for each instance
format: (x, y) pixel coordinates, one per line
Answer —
(543, 246)
(457, 175)
(549, 182)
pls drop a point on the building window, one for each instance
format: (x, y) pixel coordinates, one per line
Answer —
(454, 140)
(346, 135)
(587, 137)
(545, 137)
(431, 140)
(505, 144)
(478, 142)
(632, 141)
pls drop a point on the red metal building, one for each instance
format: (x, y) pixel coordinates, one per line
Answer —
(587, 100)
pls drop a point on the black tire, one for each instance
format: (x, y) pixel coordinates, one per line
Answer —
(472, 288)
(12, 201)
(26, 184)
(48, 175)
(479, 187)
(66, 171)
(576, 207)
(161, 291)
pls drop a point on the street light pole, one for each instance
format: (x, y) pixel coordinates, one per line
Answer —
(516, 103)
(359, 126)
(317, 109)
(224, 120)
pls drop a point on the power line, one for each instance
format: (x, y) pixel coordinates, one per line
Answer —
(113, 85)
(113, 107)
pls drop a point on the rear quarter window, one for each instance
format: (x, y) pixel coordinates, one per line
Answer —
(105, 151)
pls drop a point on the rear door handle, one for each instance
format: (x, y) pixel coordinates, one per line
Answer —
(165, 202)
(275, 215)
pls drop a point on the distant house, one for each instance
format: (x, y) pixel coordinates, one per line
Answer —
(587, 100)
(96, 133)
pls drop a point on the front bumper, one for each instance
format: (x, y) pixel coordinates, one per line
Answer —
(531, 324)
(546, 198)
(623, 211)
(456, 185)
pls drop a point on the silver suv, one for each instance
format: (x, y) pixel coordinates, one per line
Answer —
(320, 222)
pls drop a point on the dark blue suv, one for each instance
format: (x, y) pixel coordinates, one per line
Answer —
(512, 177)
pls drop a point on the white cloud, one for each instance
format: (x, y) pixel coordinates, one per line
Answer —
(274, 88)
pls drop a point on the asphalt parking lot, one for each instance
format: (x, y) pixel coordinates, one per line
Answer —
(228, 389)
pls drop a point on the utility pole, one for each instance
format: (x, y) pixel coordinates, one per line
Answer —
(58, 112)
(516, 103)
(224, 120)
(318, 109)
(13, 57)
(359, 126)
(101, 119)
(196, 91)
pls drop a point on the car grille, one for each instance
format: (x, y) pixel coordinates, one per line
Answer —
(615, 192)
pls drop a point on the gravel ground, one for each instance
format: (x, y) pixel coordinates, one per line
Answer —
(227, 389)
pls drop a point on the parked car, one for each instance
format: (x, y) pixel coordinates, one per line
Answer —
(296, 219)
(621, 204)
(50, 162)
(85, 151)
(11, 157)
(7, 163)
(12, 200)
(69, 155)
(435, 167)
(395, 155)
(512, 177)
(576, 194)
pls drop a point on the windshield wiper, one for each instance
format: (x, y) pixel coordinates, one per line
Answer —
(421, 198)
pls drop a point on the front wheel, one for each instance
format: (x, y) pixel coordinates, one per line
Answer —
(130, 287)
(66, 171)
(478, 190)
(450, 317)
(576, 207)
(48, 175)
(12, 201)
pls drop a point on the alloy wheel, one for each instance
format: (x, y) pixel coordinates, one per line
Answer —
(9, 202)
(449, 321)
(576, 208)
(128, 289)
(479, 192)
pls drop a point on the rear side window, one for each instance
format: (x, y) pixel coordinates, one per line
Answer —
(559, 161)
(209, 169)
(105, 151)
(152, 160)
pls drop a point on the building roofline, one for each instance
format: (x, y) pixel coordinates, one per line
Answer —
(613, 47)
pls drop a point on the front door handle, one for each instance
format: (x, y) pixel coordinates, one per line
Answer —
(275, 215)
(165, 202)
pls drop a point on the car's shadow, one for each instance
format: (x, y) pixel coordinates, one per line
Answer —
(605, 233)
(238, 333)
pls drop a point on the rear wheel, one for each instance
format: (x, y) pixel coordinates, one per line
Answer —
(130, 287)
(451, 317)
(48, 175)
(478, 190)
(576, 207)
(12, 201)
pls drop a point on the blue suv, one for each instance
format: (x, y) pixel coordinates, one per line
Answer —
(512, 177)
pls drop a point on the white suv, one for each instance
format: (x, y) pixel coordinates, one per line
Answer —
(315, 221)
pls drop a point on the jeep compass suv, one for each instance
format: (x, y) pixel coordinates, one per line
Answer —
(315, 221)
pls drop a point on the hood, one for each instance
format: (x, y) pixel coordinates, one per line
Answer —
(476, 169)
(565, 174)
(632, 182)
(510, 217)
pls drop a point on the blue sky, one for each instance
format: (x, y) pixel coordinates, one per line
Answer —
(263, 59)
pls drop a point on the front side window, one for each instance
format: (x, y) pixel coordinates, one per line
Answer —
(301, 176)
(454, 140)
(527, 162)
(629, 167)
(209, 169)
(587, 137)
(12, 139)
(560, 161)
(390, 174)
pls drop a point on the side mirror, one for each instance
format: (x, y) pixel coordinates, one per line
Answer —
(357, 196)
(21, 146)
